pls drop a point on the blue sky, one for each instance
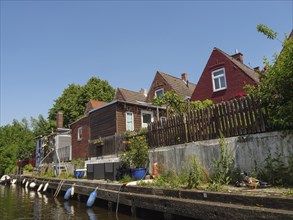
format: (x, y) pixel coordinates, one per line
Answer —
(46, 45)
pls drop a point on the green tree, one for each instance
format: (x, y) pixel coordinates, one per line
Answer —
(95, 89)
(67, 103)
(73, 100)
(16, 143)
(41, 126)
(275, 88)
(176, 104)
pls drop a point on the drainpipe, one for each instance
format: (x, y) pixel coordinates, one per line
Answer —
(57, 154)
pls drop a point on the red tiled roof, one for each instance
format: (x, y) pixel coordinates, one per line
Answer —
(92, 104)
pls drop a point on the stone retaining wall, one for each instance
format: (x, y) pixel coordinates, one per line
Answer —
(246, 150)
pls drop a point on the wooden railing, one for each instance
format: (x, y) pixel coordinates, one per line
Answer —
(236, 117)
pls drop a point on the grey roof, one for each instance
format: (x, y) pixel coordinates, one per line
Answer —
(180, 86)
(248, 71)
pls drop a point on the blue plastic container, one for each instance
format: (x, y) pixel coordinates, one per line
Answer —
(138, 173)
(78, 174)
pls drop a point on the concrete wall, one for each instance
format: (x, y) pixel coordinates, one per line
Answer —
(245, 150)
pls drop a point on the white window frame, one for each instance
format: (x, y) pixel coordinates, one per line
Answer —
(145, 125)
(79, 134)
(158, 90)
(219, 78)
(132, 121)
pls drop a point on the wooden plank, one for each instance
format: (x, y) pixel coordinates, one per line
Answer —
(256, 115)
(221, 119)
(238, 117)
(230, 118)
(251, 115)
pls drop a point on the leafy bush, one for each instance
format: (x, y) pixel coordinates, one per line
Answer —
(193, 173)
(223, 168)
(28, 167)
(277, 170)
(275, 87)
(136, 154)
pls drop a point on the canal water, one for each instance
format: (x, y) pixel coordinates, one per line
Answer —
(18, 202)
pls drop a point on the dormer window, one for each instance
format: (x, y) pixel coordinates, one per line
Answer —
(219, 80)
(159, 93)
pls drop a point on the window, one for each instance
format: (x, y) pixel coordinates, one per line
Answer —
(159, 93)
(146, 118)
(79, 134)
(129, 121)
(219, 80)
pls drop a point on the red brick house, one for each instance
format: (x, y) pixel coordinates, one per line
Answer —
(163, 83)
(81, 131)
(224, 77)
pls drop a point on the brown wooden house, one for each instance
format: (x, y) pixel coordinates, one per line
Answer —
(81, 132)
(128, 111)
(163, 83)
(224, 77)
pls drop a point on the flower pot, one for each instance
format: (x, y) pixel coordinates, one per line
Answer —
(79, 173)
(138, 173)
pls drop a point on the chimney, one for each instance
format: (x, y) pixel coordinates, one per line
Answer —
(184, 77)
(144, 92)
(238, 56)
(256, 69)
(60, 119)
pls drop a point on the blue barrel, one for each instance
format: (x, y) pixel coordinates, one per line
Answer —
(91, 199)
(68, 194)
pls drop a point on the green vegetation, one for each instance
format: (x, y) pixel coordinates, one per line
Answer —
(176, 104)
(223, 167)
(277, 170)
(136, 154)
(28, 168)
(73, 100)
(77, 163)
(16, 143)
(275, 87)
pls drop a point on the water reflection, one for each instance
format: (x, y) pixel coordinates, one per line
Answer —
(92, 215)
(19, 202)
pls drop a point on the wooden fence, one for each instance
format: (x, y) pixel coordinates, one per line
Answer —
(111, 145)
(236, 117)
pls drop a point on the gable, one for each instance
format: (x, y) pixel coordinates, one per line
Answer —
(130, 96)
(235, 75)
(167, 83)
